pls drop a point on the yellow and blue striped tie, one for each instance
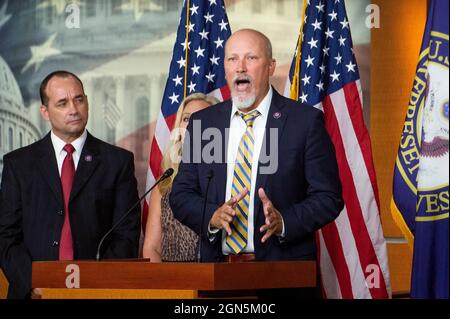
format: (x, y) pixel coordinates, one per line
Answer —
(242, 179)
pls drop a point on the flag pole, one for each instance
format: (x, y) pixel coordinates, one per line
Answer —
(188, 2)
(295, 80)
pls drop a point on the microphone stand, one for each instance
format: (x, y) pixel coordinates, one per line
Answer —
(209, 176)
(166, 174)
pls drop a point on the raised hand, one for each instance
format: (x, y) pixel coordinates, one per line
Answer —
(273, 220)
(224, 215)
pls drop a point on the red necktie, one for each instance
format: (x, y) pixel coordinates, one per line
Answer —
(67, 175)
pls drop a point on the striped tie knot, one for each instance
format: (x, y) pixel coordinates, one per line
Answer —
(249, 118)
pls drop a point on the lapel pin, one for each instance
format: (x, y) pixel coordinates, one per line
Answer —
(276, 115)
(88, 158)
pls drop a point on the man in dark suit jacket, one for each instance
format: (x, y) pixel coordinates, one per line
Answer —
(287, 198)
(35, 224)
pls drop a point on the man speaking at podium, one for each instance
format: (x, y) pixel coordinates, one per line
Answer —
(255, 211)
(60, 195)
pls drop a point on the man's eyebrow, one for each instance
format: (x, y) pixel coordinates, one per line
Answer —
(79, 95)
(62, 100)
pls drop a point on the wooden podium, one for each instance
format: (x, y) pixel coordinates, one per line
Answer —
(135, 279)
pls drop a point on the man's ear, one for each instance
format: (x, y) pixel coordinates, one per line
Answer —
(273, 64)
(44, 112)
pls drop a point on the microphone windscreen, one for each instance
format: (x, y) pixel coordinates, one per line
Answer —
(167, 173)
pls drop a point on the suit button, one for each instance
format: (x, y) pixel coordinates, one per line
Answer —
(60, 212)
(55, 243)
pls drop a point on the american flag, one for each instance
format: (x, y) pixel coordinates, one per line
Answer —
(196, 67)
(352, 252)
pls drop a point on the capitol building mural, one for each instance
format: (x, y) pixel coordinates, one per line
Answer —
(122, 53)
(18, 127)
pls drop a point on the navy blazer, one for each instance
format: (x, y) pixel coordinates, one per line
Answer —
(305, 187)
(32, 207)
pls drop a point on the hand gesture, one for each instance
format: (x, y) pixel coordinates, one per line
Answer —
(224, 215)
(273, 220)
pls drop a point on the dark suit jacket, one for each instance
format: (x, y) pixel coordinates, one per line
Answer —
(305, 188)
(31, 210)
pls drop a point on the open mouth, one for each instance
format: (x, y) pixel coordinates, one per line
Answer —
(242, 84)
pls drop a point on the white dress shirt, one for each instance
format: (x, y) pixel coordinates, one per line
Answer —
(237, 130)
(60, 153)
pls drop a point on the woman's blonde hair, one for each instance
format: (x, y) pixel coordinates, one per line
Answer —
(172, 155)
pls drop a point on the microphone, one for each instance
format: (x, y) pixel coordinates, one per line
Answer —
(166, 174)
(209, 176)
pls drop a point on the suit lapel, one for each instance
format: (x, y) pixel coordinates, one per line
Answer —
(89, 160)
(276, 119)
(49, 168)
(220, 169)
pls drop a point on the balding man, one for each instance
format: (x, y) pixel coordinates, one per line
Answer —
(60, 195)
(276, 182)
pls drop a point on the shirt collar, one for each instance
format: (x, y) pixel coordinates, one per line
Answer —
(58, 144)
(263, 107)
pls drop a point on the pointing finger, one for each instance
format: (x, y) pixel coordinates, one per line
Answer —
(241, 195)
(263, 196)
(236, 198)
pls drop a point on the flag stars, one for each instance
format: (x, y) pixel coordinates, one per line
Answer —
(174, 98)
(305, 80)
(309, 61)
(325, 51)
(333, 15)
(208, 17)
(350, 67)
(320, 7)
(320, 85)
(191, 27)
(3, 16)
(204, 34)
(194, 9)
(177, 80)
(317, 25)
(223, 25)
(322, 68)
(210, 77)
(191, 87)
(38, 53)
(181, 62)
(214, 60)
(219, 43)
(304, 97)
(211, 2)
(329, 33)
(342, 41)
(338, 59)
(183, 44)
(334, 76)
(195, 69)
(344, 24)
(200, 52)
(312, 43)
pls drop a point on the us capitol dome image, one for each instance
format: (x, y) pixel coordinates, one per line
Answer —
(17, 126)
